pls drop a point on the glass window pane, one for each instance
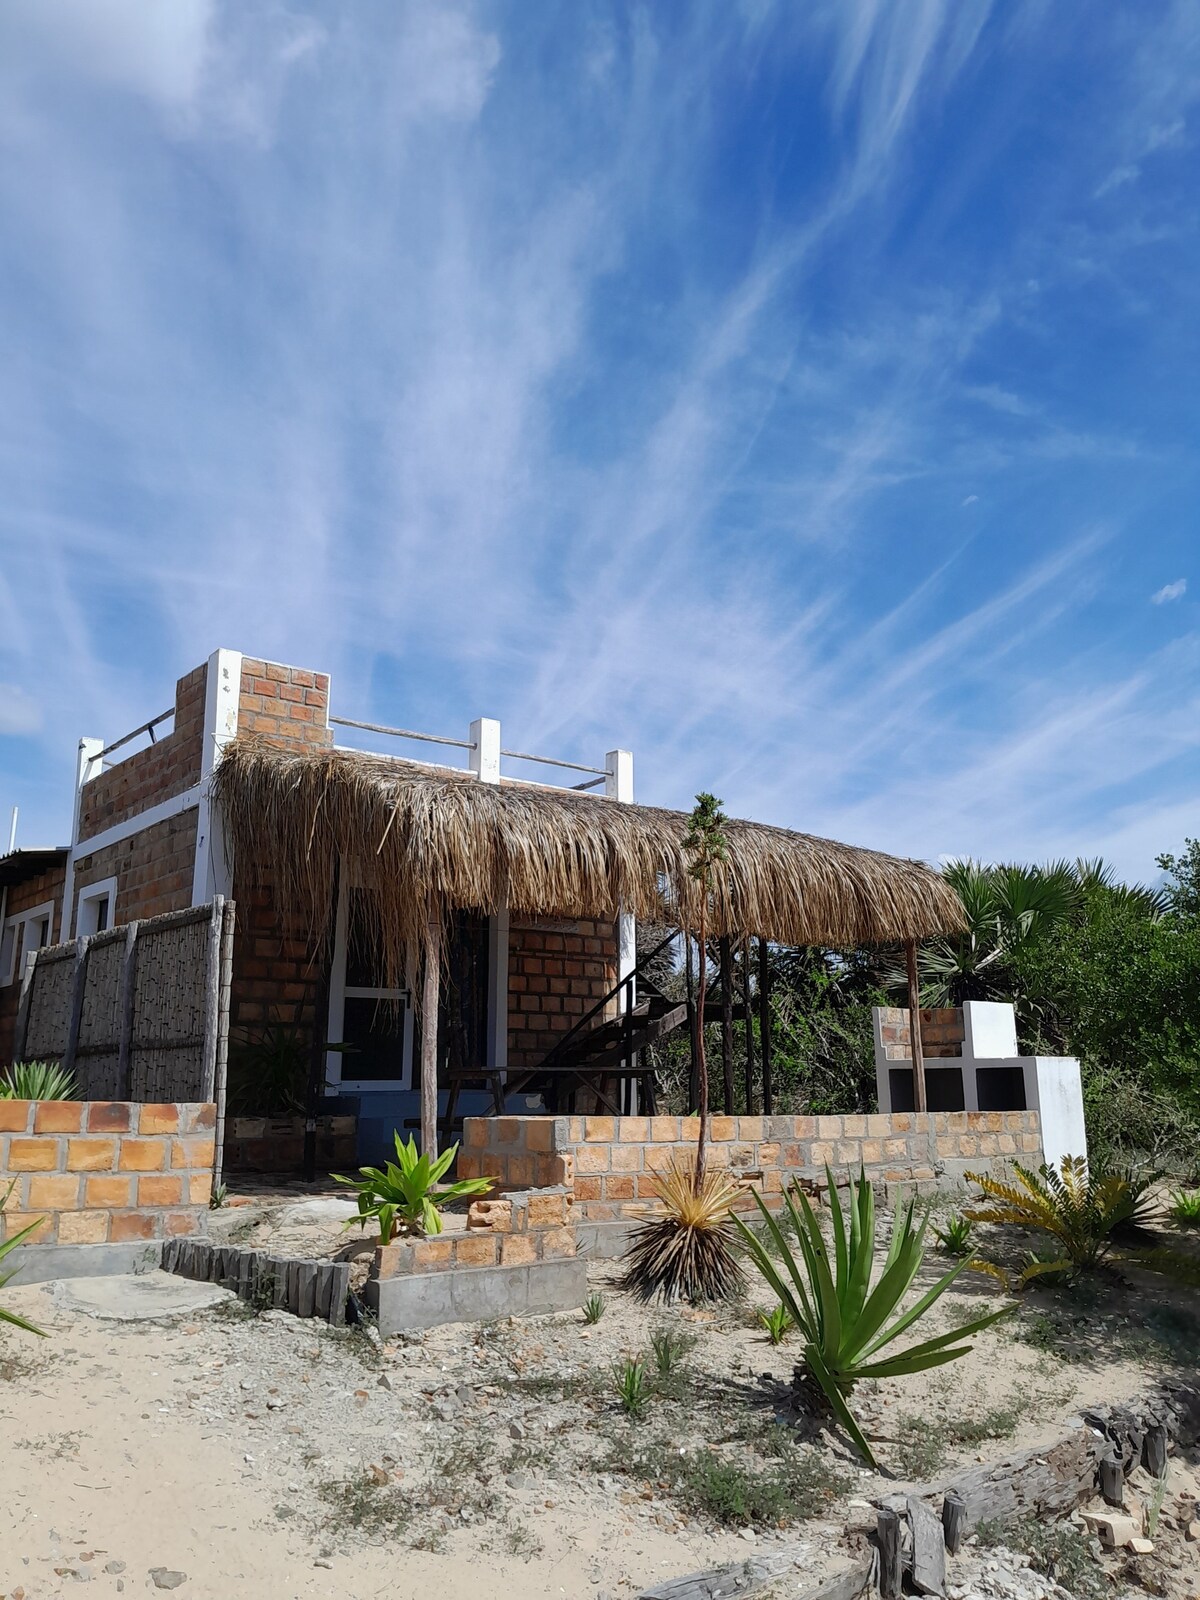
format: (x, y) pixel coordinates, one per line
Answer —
(375, 1029)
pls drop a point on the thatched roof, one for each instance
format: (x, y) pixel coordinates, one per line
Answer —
(404, 831)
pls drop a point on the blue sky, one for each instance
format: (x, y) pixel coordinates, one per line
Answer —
(803, 394)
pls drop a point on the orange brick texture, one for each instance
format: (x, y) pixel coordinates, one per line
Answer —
(523, 1228)
(942, 1032)
(275, 970)
(284, 705)
(167, 767)
(557, 971)
(94, 1172)
(276, 1144)
(609, 1164)
(46, 888)
(153, 868)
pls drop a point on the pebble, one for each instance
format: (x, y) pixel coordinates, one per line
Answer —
(164, 1578)
(114, 1566)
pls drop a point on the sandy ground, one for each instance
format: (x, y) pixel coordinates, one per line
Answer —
(259, 1454)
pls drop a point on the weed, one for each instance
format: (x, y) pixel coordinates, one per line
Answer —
(57, 1446)
(219, 1198)
(777, 1322)
(371, 1507)
(629, 1379)
(1185, 1207)
(1058, 1549)
(669, 1347)
(520, 1541)
(955, 1238)
(928, 1445)
(735, 1495)
(593, 1307)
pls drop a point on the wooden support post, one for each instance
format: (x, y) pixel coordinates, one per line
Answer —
(747, 1002)
(764, 1025)
(726, 958)
(429, 1027)
(75, 1017)
(1154, 1450)
(954, 1521)
(1112, 1479)
(212, 998)
(124, 1085)
(221, 1067)
(891, 1555)
(317, 1053)
(914, 1027)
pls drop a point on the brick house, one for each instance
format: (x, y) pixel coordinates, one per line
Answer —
(537, 895)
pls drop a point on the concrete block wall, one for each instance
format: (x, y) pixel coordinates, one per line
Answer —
(557, 971)
(610, 1163)
(520, 1230)
(98, 1172)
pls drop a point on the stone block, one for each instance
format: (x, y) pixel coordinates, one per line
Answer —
(31, 1155)
(752, 1129)
(108, 1116)
(58, 1116)
(201, 1117)
(723, 1128)
(147, 1155)
(557, 1242)
(14, 1221)
(158, 1119)
(589, 1188)
(664, 1130)
(108, 1193)
(83, 1227)
(547, 1210)
(628, 1157)
(475, 1250)
(591, 1158)
(539, 1133)
(15, 1115)
(132, 1225)
(618, 1188)
(518, 1249)
(160, 1189)
(496, 1215)
(432, 1254)
(829, 1128)
(57, 1193)
(193, 1152)
(600, 1130)
(633, 1130)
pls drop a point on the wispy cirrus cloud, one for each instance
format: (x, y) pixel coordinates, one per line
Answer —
(1168, 592)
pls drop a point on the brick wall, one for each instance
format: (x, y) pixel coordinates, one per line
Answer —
(168, 767)
(557, 970)
(276, 1144)
(93, 1172)
(154, 869)
(516, 1231)
(275, 970)
(942, 1032)
(285, 705)
(609, 1163)
(46, 887)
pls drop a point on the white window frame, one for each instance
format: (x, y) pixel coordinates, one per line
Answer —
(20, 924)
(103, 889)
(336, 1082)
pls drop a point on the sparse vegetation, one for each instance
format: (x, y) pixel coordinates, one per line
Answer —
(777, 1322)
(1185, 1207)
(797, 1485)
(1058, 1549)
(955, 1238)
(669, 1348)
(593, 1307)
(927, 1443)
(633, 1392)
(219, 1198)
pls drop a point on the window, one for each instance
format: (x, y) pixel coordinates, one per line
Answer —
(22, 936)
(372, 1023)
(97, 902)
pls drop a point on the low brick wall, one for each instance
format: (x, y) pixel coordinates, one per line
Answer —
(609, 1163)
(942, 1032)
(518, 1230)
(101, 1171)
(276, 1144)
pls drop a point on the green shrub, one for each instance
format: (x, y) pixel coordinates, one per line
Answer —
(632, 1390)
(1185, 1207)
(955, 1238)
(593, 1307)
(407, 1194)
(777, 1322)
(669, 1347)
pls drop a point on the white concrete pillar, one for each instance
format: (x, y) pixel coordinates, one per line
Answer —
(212, 872)
(618, 785)
(88, 766)
(485, 749)
(989, 1030)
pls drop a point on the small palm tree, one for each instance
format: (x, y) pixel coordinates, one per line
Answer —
(707, 848)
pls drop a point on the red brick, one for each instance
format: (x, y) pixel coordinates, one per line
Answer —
(57, 1116)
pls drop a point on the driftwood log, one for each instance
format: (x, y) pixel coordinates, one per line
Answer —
(759, 1572)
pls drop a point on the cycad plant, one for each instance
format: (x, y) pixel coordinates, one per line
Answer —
(1079, 1208)
(9, 1245)
(405, 1196)
(689, 1253)
(844, 1322)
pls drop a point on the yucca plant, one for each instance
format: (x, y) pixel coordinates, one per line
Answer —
(9, 1245)
(690, 1252)
(1079, 1208)
(406, 1195)
(629, 1380)
(1185, 1207)
(37, 1080)
(777, 1323)
(955, 1238)
(845, 1323)
(593, 1308)
(669, 1347)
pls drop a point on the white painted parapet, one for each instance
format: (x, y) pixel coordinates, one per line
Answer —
(985, 1073)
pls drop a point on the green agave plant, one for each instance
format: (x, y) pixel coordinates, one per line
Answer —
(9, 1245)
(405, 1196)
(845, 1323)
(37, 1080)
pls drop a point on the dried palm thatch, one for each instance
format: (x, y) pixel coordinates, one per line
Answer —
(408, 832)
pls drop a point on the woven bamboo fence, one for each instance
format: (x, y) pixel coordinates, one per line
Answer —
(138, 1012)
